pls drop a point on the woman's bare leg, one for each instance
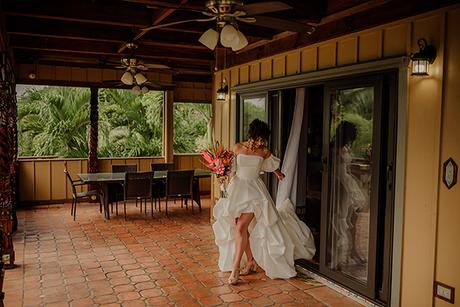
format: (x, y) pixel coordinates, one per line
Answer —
(248, 251)
(241, 239)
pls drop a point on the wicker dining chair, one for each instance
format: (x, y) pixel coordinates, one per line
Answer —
(159, 186)
(116, 190)
(138, 186)
(76, 196)
(179, 184)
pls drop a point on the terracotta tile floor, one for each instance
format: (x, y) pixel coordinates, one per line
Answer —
(140, 262)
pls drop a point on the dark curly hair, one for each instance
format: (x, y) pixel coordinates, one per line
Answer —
(346, 132)
(258, 129)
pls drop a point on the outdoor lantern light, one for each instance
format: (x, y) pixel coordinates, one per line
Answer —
(127, 78)
(222, 91)
(422, 59)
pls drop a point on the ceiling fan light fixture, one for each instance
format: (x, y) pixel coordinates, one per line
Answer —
(242, 42)
(210, 38)
(140, 78)
(127, 78)
(229, 36)
(145, 90)
(136, 89)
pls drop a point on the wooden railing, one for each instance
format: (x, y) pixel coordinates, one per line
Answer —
(43, 180)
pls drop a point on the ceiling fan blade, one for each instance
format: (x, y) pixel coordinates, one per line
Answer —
(265, 7)
(284, 25)
(178, 22)
(246, 19)
(157, 66)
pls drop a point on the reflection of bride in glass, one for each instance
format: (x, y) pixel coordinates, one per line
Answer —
(347, 199)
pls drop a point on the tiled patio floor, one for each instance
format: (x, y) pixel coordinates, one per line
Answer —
(141, 262)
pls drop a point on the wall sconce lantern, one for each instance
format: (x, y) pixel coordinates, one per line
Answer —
(222, 91)
(422, 59)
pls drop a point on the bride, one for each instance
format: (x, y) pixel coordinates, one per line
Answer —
(247, 222)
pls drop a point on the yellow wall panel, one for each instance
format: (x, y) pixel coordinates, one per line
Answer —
(254, 74)
(395, 39)
(244, 74)
(423, 141)
(266, 69)
(293, 63)
(26, 181)
(347, 51)
(309, 59)
(447, 268)
(327, 55)
(105, 165)
(58, 180)
(144, 165)
(94, 75)
(42, 180)
(63, 73)
(370, 46)
(234, 77)
(79, 74)
(217, 129)
(279, 66)
(47, 72)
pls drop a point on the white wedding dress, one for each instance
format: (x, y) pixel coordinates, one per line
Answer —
(270, 240)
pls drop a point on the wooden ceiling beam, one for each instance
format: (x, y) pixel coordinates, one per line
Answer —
(157, 19)
(102, 48)
(116, 13)
(165, 4)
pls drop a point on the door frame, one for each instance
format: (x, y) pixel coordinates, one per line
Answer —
(315, 77)
(375, 81)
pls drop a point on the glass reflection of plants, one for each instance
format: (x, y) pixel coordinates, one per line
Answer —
(356, 106)
(252, 108)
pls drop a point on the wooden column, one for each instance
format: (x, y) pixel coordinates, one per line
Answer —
(168, 126)
(93, 166)
(8, 159)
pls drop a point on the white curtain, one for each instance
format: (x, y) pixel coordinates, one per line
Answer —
(287, 188)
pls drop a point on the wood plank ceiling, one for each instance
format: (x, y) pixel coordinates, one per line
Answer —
(93, 33)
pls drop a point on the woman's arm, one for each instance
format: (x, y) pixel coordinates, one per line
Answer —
(277, 172)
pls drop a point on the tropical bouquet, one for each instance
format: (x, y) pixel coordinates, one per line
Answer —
(219, 161)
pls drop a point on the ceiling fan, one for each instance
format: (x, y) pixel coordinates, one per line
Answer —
(227, 14)
(134, 68)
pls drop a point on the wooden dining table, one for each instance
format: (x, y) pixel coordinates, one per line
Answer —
(103, 180)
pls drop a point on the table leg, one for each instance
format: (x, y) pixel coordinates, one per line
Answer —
(196, 192)
(105, 189)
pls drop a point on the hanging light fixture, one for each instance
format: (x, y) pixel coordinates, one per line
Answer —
(230, 37)
(127, 78)
(422, 59)
(140, 78)
(210, 38)
(222, 91)
(145, 90)
(136, 89)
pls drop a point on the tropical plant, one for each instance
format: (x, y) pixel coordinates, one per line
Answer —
(192, 127)
(53, 121)
(130, 125)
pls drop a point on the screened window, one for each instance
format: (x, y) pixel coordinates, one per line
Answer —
(130, 125)
(53, 121)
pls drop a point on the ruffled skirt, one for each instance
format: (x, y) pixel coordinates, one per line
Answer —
(269, 238)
